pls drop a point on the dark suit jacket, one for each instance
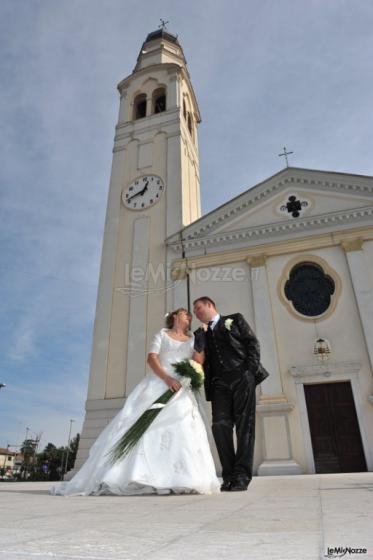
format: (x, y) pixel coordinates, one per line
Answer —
(238, 349)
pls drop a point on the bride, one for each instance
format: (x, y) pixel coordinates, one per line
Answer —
(173, 456)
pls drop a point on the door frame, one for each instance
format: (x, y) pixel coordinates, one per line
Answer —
(329, 373)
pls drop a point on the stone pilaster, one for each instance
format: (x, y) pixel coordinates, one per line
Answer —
(362, 288)
(273, 407)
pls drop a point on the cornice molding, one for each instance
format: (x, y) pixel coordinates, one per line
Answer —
(286, 179)
(274, 407)
(274, 403)
(135, 125)
(168, 66)
(132, 131)
(256, 262)
(131, 136)
(179, 60)
(274, 229)
(352, 245)
(327, 369)
(104, 404)
(151, 122)
(274, 248)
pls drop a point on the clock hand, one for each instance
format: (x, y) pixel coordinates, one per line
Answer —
(139, 193)
(133, 196)
(144, 189)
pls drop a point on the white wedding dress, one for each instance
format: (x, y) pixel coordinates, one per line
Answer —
(172, 456)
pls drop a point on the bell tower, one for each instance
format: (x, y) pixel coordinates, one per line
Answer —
(154, 192)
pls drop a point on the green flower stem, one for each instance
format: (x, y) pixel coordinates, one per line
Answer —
(128, 441)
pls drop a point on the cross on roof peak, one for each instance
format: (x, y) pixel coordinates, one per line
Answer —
(286, 154)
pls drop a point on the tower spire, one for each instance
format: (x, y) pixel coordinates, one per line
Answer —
(160, 47)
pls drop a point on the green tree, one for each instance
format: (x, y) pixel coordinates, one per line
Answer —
(52, 460)
(28, 451)
(50, 463)
(74, 444)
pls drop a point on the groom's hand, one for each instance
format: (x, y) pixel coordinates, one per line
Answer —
(200, 339)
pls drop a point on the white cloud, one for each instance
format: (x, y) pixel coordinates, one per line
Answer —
(23, 344)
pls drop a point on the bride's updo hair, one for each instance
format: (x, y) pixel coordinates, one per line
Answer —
(170, 317)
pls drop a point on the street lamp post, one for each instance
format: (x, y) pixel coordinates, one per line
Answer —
(24, 453)
(64, 470)
(2, 385)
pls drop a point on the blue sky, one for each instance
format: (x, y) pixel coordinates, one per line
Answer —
(266, 74)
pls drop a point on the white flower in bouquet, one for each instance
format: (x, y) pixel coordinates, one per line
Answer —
(191, 369)
(197, 367)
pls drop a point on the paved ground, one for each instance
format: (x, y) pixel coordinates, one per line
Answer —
(284, 518)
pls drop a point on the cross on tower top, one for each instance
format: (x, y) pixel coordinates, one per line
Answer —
(286, 154)
(163, 24)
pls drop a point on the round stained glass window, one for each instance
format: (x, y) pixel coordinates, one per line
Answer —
(309, 289)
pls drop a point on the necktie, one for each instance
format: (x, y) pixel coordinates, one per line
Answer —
(210, 324)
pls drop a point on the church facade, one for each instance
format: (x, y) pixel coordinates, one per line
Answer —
(294, 254)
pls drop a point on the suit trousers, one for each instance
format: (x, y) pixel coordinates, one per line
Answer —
(233, 405)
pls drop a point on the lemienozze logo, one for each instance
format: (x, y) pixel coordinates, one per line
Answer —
(339, 551)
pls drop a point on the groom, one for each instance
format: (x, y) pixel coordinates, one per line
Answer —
(232, 371)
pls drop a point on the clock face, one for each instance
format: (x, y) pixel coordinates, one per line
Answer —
(143, 192)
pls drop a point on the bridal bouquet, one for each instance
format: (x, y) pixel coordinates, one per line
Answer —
(192, 375)
(192, 370)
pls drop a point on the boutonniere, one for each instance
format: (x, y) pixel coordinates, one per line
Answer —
(228, 324)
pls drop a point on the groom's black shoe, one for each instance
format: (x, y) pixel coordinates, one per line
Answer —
(239, 485)
(226, 486)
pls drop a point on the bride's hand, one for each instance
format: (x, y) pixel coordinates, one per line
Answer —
(173, 383)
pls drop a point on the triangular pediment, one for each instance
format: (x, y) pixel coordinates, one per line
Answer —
(295, 203)
(289, 200)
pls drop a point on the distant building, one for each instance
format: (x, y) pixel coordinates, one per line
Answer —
(7, 459)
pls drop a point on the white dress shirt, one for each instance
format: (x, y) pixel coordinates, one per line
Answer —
(214, 321)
